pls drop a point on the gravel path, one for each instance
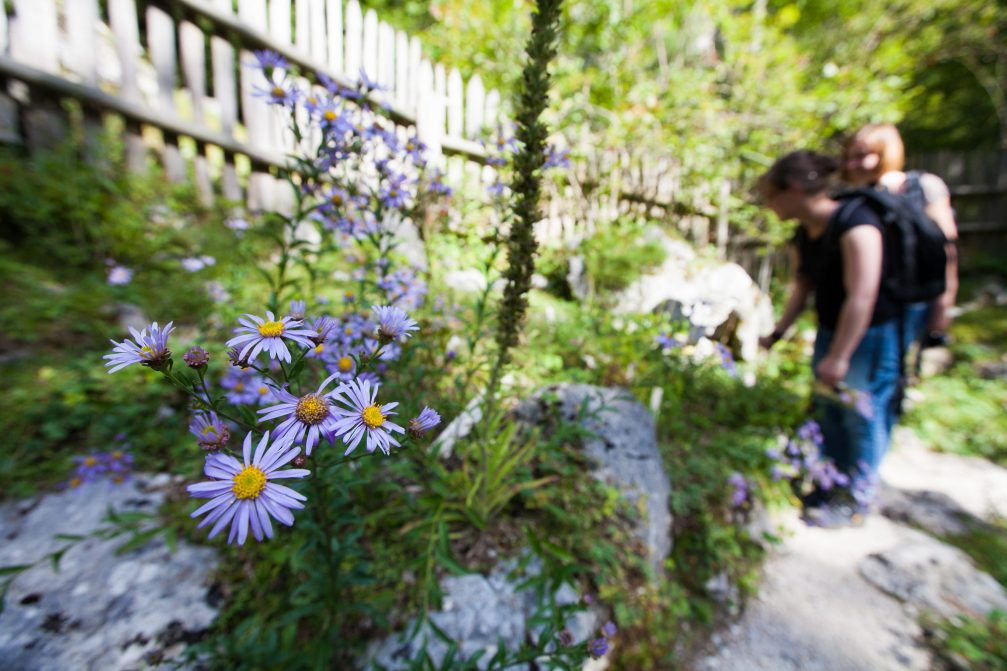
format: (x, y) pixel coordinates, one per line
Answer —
(816, 610)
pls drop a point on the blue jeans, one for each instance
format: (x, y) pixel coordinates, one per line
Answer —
(857, 439)
(915, 322)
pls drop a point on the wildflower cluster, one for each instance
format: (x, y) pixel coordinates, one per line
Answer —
(269, 357)
(801, 461)
(114, 465)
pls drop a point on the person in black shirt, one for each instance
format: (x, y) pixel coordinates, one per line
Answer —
(840, 263)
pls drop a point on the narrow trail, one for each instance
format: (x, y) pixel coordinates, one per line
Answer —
(821, 606)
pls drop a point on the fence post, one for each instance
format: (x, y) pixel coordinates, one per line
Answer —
(161, 46)
(125, 27)
(334, 22)
(193, 56)
(354, 39)
(722, 232)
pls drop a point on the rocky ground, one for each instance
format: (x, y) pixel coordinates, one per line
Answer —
(850, 599)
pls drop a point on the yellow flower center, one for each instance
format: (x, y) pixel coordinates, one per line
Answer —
(263, 390)
(249, 483)
(208, 430)
(76, 482)
(239, 386)
(393, 194)
(271, 330)
(330, 115)
(336, 199)
(345, 364)
(117, 455)
(348, 331)
(146, 352)
(320, 348)
(312, 100)
(372, 416)
(278, 92)
(312, 409)
(90, 461)
(348, 295)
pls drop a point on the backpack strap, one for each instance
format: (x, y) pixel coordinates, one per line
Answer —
(913, 189)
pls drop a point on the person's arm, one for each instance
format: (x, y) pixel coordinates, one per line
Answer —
(939, 209)
(862, 249)
(797, 297)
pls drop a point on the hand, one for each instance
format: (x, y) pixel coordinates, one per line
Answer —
(831, 370)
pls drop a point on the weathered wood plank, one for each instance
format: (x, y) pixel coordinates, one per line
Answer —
(334, 34)
(161, 47)
(370, 44)
(192, 45)
(354, 39)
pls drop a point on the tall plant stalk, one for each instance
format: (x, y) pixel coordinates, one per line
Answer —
(531, 133)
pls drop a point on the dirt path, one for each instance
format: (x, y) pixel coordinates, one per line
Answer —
(826, 602)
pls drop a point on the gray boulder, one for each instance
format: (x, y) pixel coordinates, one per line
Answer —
(929, 575)
(477, 613)
(100, 610)
(623, 444)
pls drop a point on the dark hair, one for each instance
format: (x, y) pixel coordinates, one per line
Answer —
(803, 168)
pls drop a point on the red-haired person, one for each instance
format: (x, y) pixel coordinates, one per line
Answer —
(875, 156)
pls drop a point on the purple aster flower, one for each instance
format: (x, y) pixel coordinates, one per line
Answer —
(369, 84)
(609, 629)
(297, 309)
(426, 420)
(363, 417)
(342, 365)
(267, 61)
(324, 329)
(241, 492)
(556, 158)
(119, 465)
(277, 93)
(497, 188)
(394, 194)
(197, 357)
(739, 489)
(306, 418)
(727, 359)
(393, 322)
(811, 431)
(257, 334)
(237, 224)
(89, 467)
(210, 432)
(193, 263)
(119, 275)
(242, 385)
(665, 341)
(147, 350)
(597, 647)
(565, 637)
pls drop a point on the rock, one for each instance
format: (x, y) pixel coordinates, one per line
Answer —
(459, 427)
(624, 446)
(929, 575)
(100, 610)
(935, 361)
(478, 612)
(469, 280)
(978, 486)
(705, 292)
(937, 514)
(576, 277)
(993, 370)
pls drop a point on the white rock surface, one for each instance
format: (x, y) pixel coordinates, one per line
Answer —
(704, 291)
(477, 612)
(816, 610)
(100, 610)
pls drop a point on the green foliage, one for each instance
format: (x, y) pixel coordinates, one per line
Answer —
(961, 412)
(971, 644)
(618, 254)
(986, 544)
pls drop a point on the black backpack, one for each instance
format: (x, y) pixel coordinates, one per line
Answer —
(914, 243)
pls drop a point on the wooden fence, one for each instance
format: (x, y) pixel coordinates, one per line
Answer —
(180, 73)
(978, 184)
